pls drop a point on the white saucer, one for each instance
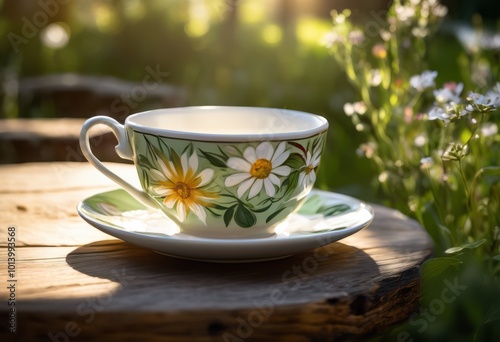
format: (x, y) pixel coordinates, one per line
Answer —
(324, 218)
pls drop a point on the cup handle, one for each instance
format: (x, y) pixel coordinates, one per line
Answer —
(123, 150)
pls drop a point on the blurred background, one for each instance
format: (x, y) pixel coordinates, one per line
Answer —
(76, 59)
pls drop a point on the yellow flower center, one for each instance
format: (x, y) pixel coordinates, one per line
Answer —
(309, 168)
(182, 190)
(261, 168)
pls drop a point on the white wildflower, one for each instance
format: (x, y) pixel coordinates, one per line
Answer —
(424, 80)
(420, 140)
(438, 113)
(366, 150)
(480, 99)
(449, 93)
(356, 37)
(375, 78)
(385, 35)
(489, 129)
(494, 94)
(332, 38)
(359, 107)
(356, 107)
(382, 178)
(479, 102)
(348, 109)
(493, 43)
(404, 13)
(360, 127)
(440, 11)
(426, 162)
(420, 32)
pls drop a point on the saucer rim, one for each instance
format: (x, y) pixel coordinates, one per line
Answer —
(179, 239)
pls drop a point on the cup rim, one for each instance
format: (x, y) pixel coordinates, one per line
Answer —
(322, 126)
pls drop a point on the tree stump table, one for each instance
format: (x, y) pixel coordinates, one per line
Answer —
(73, 282)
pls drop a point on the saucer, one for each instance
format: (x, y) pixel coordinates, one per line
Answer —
(324, 218)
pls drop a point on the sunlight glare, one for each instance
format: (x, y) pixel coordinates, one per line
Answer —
(311, 30)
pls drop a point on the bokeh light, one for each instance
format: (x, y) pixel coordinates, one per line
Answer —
(253, 11)
(55, 35)
(199, 19)
(134, 10)
(105, 18)
(272, 34)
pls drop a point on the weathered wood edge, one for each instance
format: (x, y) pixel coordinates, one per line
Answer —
(329, 320)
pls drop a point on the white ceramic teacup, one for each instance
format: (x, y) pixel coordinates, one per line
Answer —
(220, 172)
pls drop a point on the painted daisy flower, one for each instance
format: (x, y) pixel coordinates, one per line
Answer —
(308, 175)
(260, 167)
(182, 186)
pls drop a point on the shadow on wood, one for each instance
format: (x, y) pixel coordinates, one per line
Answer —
(182, 300)
(183, 284)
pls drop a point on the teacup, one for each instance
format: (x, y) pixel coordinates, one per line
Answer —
(218, 172)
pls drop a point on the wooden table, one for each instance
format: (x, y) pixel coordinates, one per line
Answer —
(77, 283)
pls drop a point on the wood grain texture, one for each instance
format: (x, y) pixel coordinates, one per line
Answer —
(75, 280)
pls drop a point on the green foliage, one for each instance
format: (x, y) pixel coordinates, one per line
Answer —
(430, 146)
(436, 152)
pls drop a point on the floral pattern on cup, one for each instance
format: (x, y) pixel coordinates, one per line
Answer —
(181, 186)
(259, 167)
(242, 183)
